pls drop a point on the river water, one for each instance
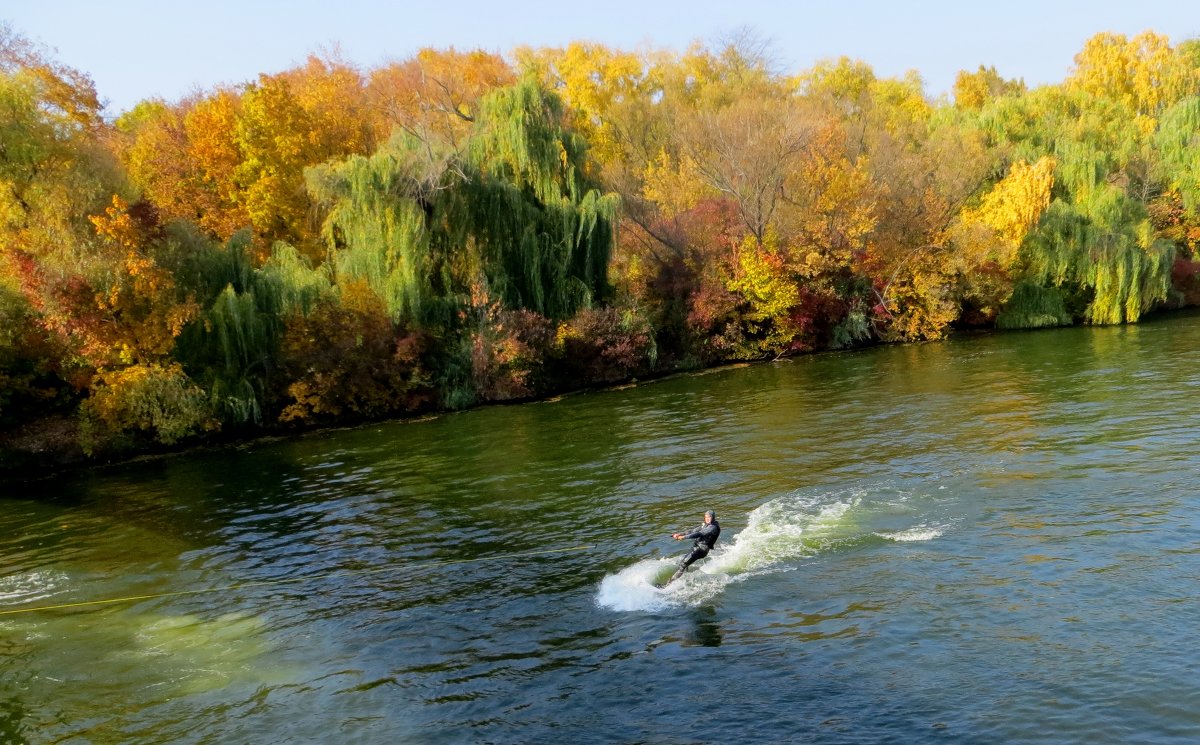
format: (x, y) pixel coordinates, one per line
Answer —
(986, 540)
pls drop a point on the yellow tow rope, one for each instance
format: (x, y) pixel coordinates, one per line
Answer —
(306, 578)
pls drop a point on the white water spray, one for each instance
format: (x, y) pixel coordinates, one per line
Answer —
(777, 535)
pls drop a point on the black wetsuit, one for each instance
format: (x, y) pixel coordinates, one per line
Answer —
(706, 537)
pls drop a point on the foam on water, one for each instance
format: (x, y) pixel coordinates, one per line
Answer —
(777, 535)
(633, 588)
(19, 589)
(919, 533)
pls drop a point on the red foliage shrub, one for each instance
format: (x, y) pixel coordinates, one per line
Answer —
(345, 361)
(1185, 278)
(814, 317)
(509, 353)
(604, 346)
(714, 323)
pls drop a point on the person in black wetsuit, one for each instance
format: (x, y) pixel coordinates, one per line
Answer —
(706, 537)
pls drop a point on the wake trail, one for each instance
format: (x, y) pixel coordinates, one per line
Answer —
(778, 535)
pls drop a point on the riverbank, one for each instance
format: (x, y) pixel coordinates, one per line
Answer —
(49, 446)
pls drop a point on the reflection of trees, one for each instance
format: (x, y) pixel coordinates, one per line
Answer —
(705, 630)
(185, 500)
(140, 527)
(12, 716)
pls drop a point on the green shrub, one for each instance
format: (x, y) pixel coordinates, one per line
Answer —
(154, 402)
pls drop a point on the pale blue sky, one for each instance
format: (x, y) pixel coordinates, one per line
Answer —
(134, 50)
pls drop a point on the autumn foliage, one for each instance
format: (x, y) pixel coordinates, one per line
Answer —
(329, 243)
(346, 361)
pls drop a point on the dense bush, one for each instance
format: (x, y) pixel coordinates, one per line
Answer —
(144, 403)
(345, 360)
(1185, 279)
(604, 346)
(509, 354)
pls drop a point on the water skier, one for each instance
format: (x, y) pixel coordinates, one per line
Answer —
(706, 537)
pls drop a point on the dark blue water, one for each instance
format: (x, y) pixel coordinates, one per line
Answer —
(990, 540)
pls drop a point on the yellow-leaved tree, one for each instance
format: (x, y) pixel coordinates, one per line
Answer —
(1144, 73)
(434, 95)
(974, 89)
(988, 236)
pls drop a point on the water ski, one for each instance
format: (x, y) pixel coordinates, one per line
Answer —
(678, 573)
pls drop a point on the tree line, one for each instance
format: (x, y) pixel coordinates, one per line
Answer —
(330, 244)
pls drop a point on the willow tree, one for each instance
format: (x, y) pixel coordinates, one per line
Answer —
(1178, 144)
(1094, 254)
(232, 349)
(1175, 209)
(1104, 250)
(376, 224)
(543, 231)
(513, 213)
